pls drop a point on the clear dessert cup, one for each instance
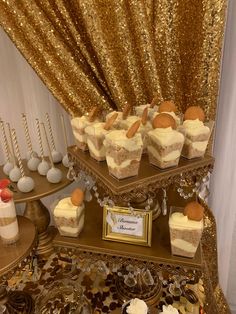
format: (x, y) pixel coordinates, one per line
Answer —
(164, 147)
(9, 230)
(195, 144)
(78, 128)
(123, 154)
(68, 218)
(151, 111)
(95, 138)
(185, 234)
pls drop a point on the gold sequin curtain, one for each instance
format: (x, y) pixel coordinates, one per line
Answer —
(110, 52)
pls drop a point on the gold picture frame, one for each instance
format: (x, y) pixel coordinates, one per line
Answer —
(122, 225)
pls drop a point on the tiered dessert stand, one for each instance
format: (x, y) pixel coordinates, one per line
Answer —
(158, 257)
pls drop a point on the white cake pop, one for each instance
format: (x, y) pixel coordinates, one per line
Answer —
(30, 154)
(54, 175)
(56, 156)
(25, 184)
(65, 161)
(33, 163)
(43, 167)
(7, 167)
(15, 174)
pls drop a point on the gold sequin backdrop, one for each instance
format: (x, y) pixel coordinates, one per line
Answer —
(110, 52)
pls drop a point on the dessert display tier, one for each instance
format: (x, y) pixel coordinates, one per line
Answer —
(90, 240)
(13, 254)
(150, 178)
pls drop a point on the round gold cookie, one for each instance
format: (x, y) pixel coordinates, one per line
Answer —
(164, 120)
(194, 211)
(193, 113)
(77, 197)
(167, 106)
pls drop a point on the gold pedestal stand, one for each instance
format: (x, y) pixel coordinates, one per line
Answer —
(35, 210)
(39, 215)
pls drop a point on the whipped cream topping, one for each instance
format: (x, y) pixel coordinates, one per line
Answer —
(169, 310)
(151, 111)
(195, 127)
(125, 124)
(81, 122)
(96, 129)
(179, 221)
(118, 119)
(65, 208)
(166, 136)
(119, 138)
(137, 306)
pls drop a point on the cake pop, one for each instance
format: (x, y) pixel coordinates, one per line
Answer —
(8, 166)
(14, 173)
(25, 184)
(54, 175)
(56, 156)
(43, 166)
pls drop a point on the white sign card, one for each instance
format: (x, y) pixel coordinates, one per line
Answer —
(122, 225)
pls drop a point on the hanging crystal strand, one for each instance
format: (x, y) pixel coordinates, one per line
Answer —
(164, 203)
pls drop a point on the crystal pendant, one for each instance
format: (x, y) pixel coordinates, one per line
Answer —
(130, 280)
(88, 195)
(147, 277)
(164, 204)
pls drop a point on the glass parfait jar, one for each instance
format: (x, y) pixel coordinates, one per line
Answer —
(9, 230)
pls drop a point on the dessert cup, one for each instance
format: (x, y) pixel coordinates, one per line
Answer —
(69, 218)
(78, 127)
(95, 138)
(164, 147)
(185, 234)
(123, 154)
(151, 110)
(119, 118)
(197, 135)
(9, 230)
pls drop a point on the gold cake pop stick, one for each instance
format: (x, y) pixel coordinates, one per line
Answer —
(40, 139)
(64, 130)
(11, 144)
(5, 143)
(27, 135)
(48, 145)
(13, 133)
(50, 132)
